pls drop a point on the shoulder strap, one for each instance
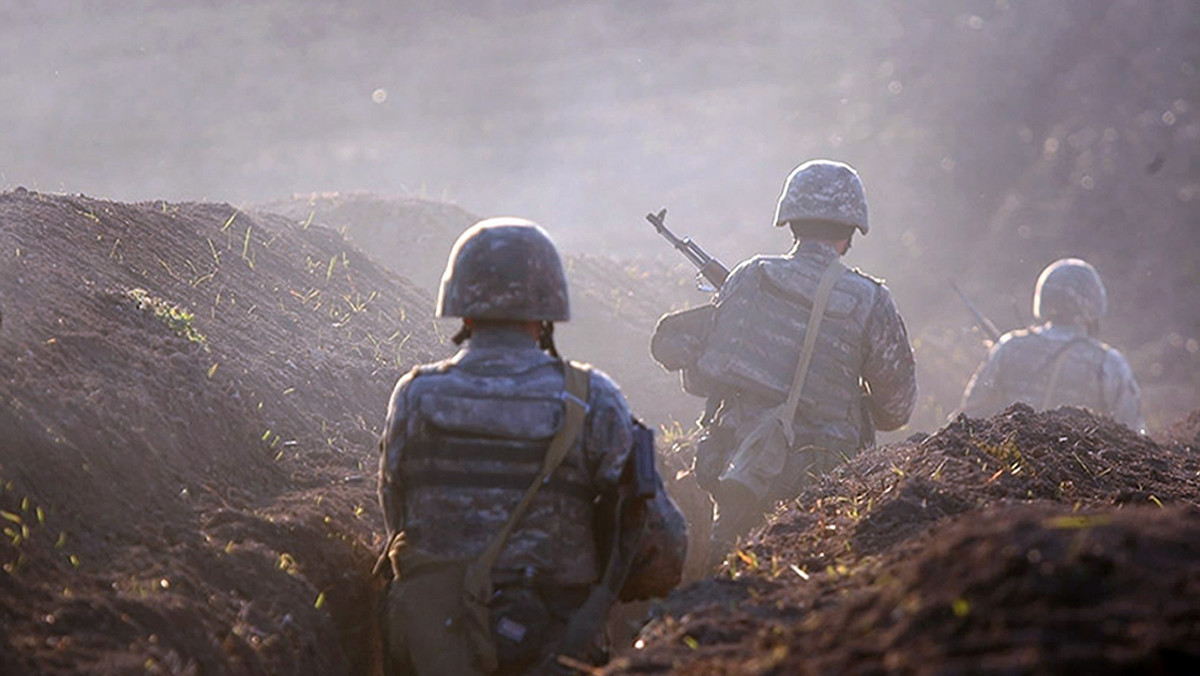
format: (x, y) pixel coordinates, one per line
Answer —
(575, 396)
(786, 412)
(820, 303)
(1056, 368)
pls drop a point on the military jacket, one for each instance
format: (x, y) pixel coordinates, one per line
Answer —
(1019, 367)
(465, 437)
(758, 329)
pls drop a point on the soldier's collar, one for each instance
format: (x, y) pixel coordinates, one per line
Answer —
(814, 246)
(500, 336)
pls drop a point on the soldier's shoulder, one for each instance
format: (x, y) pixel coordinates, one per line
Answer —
(598, 380)
(755, 263)
(1018, 334)
(601, 386)
(424, 375)
(1018, 338)
(877, 281)
(1113, 353)
(432, 369)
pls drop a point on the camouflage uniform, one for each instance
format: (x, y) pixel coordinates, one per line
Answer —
(466, 436)
(1022, 364)
(753, 345)
(862, 340)
(440, 476)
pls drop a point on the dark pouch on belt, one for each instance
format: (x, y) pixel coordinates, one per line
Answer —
(520, 624)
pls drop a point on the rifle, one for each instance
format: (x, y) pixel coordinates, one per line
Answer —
(984, 323)
(710, 268)
(587, 623)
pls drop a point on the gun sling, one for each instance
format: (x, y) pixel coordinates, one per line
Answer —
(478, 579)
(1056, 368)
(785, 413)
(429, 589)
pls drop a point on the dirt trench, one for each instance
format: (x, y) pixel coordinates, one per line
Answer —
(181, 493)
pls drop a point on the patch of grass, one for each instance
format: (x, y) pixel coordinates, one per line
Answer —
(176, 317)
(26, 538)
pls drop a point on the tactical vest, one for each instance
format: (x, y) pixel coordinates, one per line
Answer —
(756, 336)
(1030, 359)
(471, 460)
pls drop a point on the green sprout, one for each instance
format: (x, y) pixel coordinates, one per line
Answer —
(177, 318)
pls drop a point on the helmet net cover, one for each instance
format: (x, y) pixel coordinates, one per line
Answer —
(1070, 290)
(823, 190)
(504, 268)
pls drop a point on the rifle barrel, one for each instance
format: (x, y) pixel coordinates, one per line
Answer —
(983, 322)
(711, 268)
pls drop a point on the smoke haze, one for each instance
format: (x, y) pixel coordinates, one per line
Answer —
(993, 137)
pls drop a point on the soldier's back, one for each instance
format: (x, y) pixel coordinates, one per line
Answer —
(762, 315)
(1050, 366)
(478, 433)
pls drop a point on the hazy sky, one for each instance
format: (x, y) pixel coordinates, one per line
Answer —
(993, 136)
(581, 115)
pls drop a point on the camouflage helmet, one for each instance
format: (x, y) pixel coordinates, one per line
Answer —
(823, 190)
(504, 268)
(1069, 290)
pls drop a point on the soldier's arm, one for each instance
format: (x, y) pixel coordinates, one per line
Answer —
(658, 564)
(391, 448)
(608, 432)
(1121, 391)
(889, 368)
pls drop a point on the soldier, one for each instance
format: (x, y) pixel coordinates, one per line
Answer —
(1059, 362)
(801, 361)
(503, 476)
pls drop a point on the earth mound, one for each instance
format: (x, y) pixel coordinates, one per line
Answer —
(189, 398)
(1028, 542)
(615, 303)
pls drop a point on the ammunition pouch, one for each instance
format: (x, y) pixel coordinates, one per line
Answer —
(432, 623)
(521, 625)
(438, 627)
(760, 457)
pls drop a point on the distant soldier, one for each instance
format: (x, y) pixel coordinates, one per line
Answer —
(1059, 362)
(802, 359)
(507, 481)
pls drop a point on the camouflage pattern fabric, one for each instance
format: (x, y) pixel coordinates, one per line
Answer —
(658, 565)
(755, 341)
(1018, 368)
(823, 190)
(465, 437)
(504, 268)
(751, 354)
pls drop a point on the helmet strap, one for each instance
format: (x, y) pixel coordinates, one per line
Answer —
(546, 339)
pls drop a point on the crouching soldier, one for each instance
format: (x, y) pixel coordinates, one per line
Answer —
(518, 491)
(1060, 362)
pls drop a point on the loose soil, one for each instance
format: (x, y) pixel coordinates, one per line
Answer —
(190, 397)
(1025, 543)
(190, 400)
